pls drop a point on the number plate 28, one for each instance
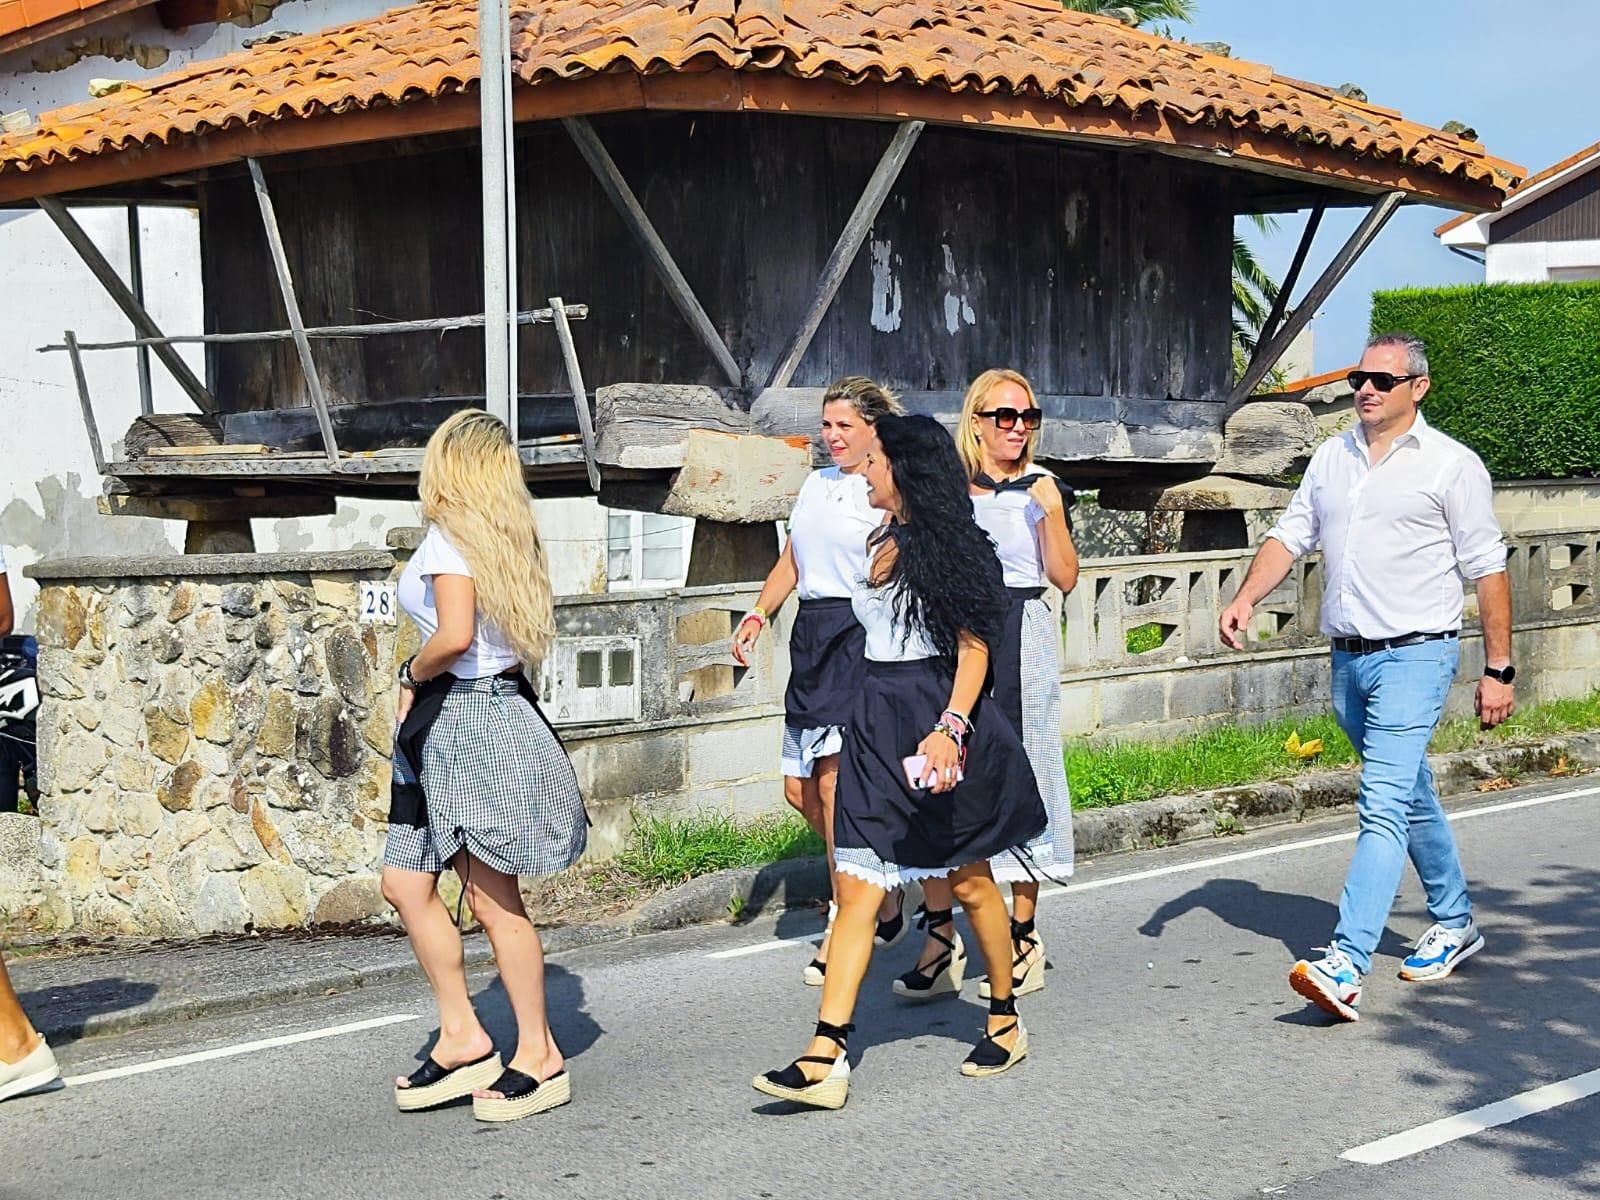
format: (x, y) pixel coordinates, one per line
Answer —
(376, 602)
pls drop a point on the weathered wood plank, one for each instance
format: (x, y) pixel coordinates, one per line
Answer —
(633, 214)
(1292, 277)
(125, 300)
(580, 398)
(291, 307)
(855, 231)
(391, 424)
(86, 405)
(1267, 438)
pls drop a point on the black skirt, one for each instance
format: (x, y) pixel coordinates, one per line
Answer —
(888, 832)
(826, 648)
(1006, 660)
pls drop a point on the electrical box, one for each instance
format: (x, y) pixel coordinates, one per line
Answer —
(591, 680)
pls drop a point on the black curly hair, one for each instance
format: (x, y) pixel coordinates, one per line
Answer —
(946, 566)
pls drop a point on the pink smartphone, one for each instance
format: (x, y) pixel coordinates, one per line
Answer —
(916, 767)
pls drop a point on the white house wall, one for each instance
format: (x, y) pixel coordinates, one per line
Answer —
(48, 482)
(1533, 262)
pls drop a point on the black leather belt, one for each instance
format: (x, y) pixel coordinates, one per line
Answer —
(1355, 645)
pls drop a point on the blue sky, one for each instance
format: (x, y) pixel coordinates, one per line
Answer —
(1525, 76)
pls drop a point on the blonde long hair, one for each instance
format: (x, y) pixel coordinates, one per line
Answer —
(967, 444)
(472, 488)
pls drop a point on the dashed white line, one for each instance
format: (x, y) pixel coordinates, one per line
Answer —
(1203, 864)
(199, 1056)
(1450, 1129)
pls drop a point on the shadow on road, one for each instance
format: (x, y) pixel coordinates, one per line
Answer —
(575, 1030)
(61, 1012)
(1298, 921)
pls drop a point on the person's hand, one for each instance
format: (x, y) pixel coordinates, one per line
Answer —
(403, 704)
(1493, 701)
(1047, 495)
(1235, 621)
(745, 638)
(943, 761)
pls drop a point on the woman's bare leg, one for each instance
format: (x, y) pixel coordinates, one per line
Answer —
(437, 945)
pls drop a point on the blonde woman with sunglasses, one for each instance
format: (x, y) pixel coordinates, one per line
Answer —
(1023, 508)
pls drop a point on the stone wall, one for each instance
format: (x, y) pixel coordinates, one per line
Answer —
(213, 746)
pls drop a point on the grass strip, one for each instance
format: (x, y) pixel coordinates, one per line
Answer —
(1119, 772)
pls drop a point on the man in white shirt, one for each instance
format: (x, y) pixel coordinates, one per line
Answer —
(1403, 514)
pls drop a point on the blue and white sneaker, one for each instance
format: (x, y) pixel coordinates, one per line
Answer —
(1331, 983)
(1441, 951)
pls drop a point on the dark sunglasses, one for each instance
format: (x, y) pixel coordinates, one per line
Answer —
(1006, 418)
(1381, 380)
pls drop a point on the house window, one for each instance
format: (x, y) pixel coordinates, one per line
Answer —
(646, 550)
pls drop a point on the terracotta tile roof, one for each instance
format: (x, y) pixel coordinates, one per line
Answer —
(1527, 184)
(23, 22)
(1093, 68)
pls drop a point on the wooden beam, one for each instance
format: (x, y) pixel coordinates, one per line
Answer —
(580, 398)
(218, 508)
(847, 247)
(84, 403)
(1267, 354)
(1286, 288)
(537, 316)
(646, 426)
(147, 404)
(126, 301)
(633, 215)
(291, 306)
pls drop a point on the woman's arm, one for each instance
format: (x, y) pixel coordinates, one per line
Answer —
(781, 580)
(1060, 556)
(942, 751)
(456, 601)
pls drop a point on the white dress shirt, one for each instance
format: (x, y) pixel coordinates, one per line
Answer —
(1397, 536)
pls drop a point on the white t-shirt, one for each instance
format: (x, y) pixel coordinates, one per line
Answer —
(828, 528)
(490, 653)
(1012, 519)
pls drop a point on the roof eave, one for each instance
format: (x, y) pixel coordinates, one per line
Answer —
(728, 90)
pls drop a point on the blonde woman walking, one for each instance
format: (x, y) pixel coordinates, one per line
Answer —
(1023, 509)
(825, 560)
(481, 782)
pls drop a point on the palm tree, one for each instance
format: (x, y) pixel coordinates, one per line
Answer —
(1254, 290)
(1144, 11)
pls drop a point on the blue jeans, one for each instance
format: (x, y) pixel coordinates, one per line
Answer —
(1388, 703)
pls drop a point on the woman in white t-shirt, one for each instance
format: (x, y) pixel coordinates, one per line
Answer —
(825, 560)
(481, 782)
(1023, 508)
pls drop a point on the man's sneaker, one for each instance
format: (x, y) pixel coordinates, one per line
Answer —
(1441, 951)
(1331, 983)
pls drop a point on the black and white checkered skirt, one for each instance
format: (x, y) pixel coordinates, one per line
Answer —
(498, 784)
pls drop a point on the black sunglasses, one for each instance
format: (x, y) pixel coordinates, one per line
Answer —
(1006, 418)
(1381, 380)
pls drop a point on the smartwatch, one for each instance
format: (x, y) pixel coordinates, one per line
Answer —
(1505, 674)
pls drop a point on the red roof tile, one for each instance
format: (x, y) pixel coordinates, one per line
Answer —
(1092, 68)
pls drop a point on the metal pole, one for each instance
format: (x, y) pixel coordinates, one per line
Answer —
(512, 327)
(136, 282)
(493, 17)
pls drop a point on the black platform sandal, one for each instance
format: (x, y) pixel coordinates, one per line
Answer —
(432, 1085)
(791, 1083)
(1024, 940)
(943, 976)
(989, 1057)
(891, 931)
(521, 1095)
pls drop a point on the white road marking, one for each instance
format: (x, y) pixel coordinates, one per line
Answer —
(184, 1060)
(1449, 1129)
(1202, 864)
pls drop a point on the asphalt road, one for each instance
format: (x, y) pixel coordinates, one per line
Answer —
(1169, 1057)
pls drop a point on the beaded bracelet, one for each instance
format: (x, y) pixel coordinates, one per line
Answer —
(959, 720)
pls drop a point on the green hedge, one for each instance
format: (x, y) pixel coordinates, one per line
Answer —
(1516, 371)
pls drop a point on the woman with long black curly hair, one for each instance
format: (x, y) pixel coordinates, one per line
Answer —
(933, 780)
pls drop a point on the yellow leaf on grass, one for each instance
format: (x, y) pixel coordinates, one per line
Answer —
(1295, 748)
